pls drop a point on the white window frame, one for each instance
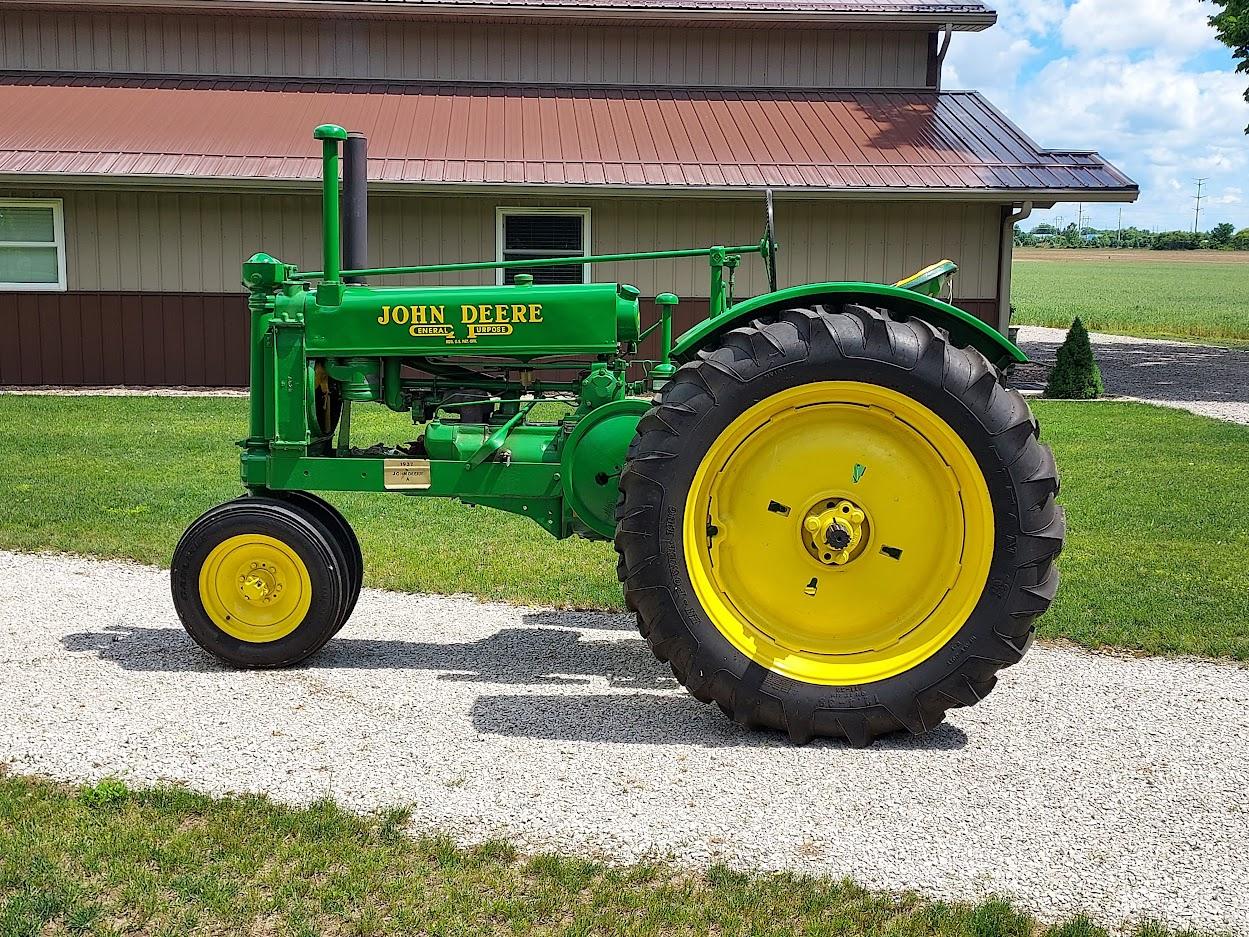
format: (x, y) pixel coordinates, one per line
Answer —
(503, 212)
(58, 233)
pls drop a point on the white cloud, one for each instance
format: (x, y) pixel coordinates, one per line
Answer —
(1033, 16)
(1232, 195)
(994, 68)
(1148, 103)
(1176, 26)
(992, 61)
(1130, 78)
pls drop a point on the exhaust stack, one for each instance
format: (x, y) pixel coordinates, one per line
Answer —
(355, 204)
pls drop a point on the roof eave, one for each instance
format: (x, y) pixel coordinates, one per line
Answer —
(1126, 194)
(963, 22)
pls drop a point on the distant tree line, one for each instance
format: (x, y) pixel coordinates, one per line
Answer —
(1223, 237)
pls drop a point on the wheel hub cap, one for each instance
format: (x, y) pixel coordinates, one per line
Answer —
(261, 584)
(835, 532)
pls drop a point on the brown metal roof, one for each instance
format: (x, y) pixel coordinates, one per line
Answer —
(968, 15)
(192, 131)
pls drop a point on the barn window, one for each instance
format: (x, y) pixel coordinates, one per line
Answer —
(32, 244)
(534, 233)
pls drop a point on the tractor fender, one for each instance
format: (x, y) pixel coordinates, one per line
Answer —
(963, 327)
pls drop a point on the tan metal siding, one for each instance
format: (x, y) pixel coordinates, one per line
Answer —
(303, 48)
(195, 242)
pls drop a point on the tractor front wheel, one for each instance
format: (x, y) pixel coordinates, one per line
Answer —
(260, 582)
(835, 523)
(338, 529)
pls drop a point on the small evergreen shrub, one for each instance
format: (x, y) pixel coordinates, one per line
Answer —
(1076, 375)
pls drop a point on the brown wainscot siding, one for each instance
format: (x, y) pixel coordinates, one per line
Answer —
(124, 338)
(142, 339)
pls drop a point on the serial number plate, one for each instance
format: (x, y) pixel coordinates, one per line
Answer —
(405, 474)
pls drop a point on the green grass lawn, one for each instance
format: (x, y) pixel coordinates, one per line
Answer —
(1159, 521)
(107, 860)
(123, 476)
(1145, 293)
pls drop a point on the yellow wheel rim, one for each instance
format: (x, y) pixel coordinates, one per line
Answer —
(839, 533)
(255, 588)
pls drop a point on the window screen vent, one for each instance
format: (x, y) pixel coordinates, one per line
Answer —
(544, 234)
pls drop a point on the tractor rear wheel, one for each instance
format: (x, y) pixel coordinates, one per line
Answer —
(260, 582)
(836, 523)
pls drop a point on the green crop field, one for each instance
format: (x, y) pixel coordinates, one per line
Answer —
(1154, 559)
(1198, 295)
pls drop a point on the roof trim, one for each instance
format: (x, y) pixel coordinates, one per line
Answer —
(368, 85)
(662, 13)
(1002, 196)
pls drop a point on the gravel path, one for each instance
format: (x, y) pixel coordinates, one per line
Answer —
(1114, 786)
(56, 391)
(1203, 379)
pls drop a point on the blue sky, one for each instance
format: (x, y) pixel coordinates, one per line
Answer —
(1144, 82)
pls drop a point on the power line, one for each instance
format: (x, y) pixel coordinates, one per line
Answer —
(1201, 183)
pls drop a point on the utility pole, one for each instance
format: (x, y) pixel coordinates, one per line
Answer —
(1201, 183)
(1119, 236)
(1080, 221)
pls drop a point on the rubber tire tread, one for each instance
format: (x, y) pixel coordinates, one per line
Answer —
(747, 364)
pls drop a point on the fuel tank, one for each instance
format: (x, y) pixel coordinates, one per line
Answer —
(523, 321)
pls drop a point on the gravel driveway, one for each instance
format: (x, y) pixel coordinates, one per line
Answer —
(1114, 786)
(1203, 379)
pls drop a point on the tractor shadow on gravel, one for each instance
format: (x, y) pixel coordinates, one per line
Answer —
(543, 653)
(657, 719)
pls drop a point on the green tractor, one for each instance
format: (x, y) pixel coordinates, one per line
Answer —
(832, 517)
